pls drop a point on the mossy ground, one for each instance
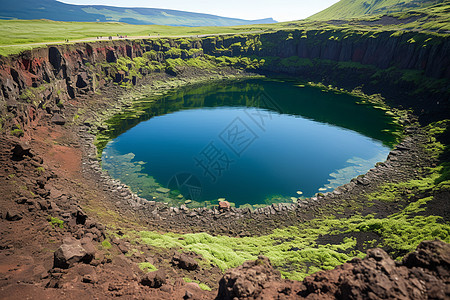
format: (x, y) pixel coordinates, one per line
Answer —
(55, 222)
(295, 250)
(147, 267)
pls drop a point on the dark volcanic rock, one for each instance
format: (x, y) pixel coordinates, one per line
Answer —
(58, 119)
(20, 150)
(89, 247)
(55, 58)
(430, 255)
(154, 279)
(247, 281)
(71, 252)
(184, 262)
(423, 274)
(82, 80)
(80, 217)
(12, 215)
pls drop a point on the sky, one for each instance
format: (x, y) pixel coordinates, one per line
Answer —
(280, 10)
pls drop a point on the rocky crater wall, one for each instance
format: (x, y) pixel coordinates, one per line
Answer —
(382, 49)
(41, 81)
(70, 67)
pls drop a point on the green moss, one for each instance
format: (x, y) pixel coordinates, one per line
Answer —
(27, 94)
(173, 52)
(106, 245)
(226, 252)
(56, 222)
(405, 230)
(40, 170)
(17, 132)
(204, 286)
(435, 147)
(147, 267)
(294, 250)
(394, 191)
(150, 55)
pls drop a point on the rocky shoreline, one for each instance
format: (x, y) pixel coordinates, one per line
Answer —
(402, 164)
(63, 219)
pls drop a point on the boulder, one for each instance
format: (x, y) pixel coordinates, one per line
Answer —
(224, 205)
(432, 255)
(12, 215)
(20, 150)
(154, 279)
(423, 274)
(121, 245)
(58, 119)
(72, 252)
(184, 262)
(11, 105)
(247, 281)
(89, 247)
(89, 278)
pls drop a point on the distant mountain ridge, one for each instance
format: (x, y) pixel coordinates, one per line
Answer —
(346, 9)
(58, 11)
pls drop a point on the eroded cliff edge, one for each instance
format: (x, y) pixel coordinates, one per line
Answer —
(408, 68)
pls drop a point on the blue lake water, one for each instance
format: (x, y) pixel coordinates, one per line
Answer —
(251, 142)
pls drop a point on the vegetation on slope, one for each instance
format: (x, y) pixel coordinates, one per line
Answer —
(346, 9)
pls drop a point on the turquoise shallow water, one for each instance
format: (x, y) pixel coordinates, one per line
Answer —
(252, 142)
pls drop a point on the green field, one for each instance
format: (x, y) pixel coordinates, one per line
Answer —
(20, 35)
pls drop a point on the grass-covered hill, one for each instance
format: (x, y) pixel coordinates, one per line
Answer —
(19, 35)
(57, 11)
(346, 9)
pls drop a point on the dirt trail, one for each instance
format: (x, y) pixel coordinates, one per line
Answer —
(115, 38)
